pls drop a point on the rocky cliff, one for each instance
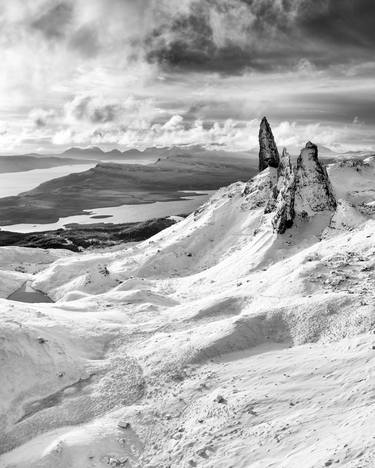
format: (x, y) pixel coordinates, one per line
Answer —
(313, 187)
(302, 190)
(268, 153)
(284, 195)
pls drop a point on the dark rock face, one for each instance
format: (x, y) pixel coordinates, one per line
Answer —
(268, 153)
(313, 188)
(299, 191)
(284, 202)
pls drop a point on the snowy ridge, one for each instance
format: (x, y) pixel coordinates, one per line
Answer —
(216, 343)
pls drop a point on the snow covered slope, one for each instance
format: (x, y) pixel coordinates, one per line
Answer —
(353, 180)
(216, 343)
(18, 264)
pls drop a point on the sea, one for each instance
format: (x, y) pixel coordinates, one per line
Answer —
(17, 182)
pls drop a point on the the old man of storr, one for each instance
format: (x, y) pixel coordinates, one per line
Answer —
(187, 233)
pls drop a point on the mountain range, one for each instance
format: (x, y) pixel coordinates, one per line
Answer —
(151, 153)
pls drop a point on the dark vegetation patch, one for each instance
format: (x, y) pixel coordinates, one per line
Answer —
(78, 237)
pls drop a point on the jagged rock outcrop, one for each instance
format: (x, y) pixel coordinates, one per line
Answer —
(285, 189)
(302, 191)
(313, 191)
(268, 153)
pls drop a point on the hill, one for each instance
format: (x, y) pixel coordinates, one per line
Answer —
(228, 339)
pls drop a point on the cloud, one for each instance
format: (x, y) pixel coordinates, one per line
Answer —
(92, 109)
(174, 123)
(202, 38)
(229, 135)
(42, 117)
(53, 22)
(18, 137)
(226, 36)
(85, 40)
(174, 131)
(263, 35)
(339, 22)
(98, 109)
(136, 71)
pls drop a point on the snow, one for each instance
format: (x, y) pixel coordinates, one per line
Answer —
(216, 343)
(17, 264)
(354, 184)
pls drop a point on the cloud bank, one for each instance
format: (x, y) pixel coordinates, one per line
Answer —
(121, 72)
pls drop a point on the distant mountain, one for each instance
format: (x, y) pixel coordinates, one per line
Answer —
(152, 154)
(98, 154)
(30, 162)
(77, 155)
(83, 151)
(200, 152)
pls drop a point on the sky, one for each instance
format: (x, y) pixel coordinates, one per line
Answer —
(142, 73)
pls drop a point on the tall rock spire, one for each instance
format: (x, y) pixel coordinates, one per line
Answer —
(313, 188)
(284, 203)
(268, 153)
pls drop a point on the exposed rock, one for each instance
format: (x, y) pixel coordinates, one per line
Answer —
(357, 163)
(268, 153)
(124, 425)
(313, 188)
(220, 399)
(285, 190)
(304, 191)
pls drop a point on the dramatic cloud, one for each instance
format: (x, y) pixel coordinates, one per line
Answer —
(95, 109)
(140, 72)
(229, 134)
(263, 34)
